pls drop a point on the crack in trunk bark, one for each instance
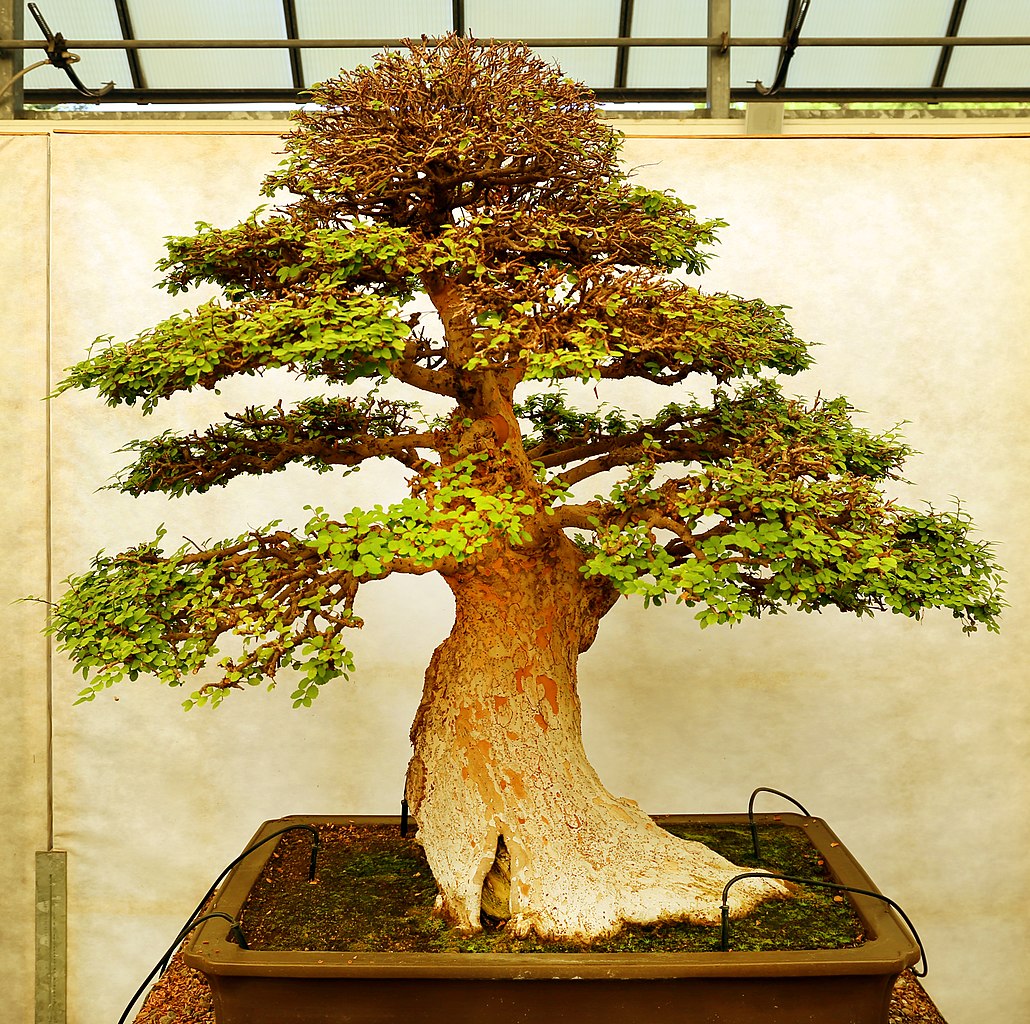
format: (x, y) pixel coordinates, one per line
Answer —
(499, 765)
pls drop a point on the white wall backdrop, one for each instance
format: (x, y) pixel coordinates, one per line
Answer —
(906, 259)
(24, 826)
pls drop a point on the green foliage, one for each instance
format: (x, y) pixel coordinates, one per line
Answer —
(319, 433)
(341, 337)
(756, 541)
(454, 519)
(144, 612)
(581, 326)
(496, 201)
(555, 421)
(674, 236)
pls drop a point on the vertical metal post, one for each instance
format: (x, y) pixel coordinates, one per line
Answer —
(622, 56)
(719, 59)
(458, 17)
(12, 21)
(51, 937)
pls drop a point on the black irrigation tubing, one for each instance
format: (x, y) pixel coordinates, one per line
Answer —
(751, 814)
(235, 931)
(725, 939)
(193, 920)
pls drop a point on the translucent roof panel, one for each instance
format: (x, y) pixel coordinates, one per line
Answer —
(212, 69)
(387, 19)
(883, 67)
(552, 19)
(755, 19)
(987, 66)
(668, 67)
(269, 74)
(83, 19)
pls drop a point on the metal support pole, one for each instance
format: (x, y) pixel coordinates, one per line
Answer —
(12, 13)
(51, 937)
(719, 59)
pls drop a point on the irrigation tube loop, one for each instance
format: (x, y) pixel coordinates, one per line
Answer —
(751, 814)
(724, 943)
(195, 918)
(59, 57)
(235, 931)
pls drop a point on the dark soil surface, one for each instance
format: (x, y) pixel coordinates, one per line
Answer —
(374, 891)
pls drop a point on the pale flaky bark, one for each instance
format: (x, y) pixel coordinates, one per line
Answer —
(499, 768)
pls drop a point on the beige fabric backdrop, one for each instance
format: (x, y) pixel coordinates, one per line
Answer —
(905, 258)
(23, 511)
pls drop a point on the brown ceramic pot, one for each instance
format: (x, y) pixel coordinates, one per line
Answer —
(847, 986)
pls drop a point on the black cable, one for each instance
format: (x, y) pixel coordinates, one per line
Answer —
(214, 885)
(793, 34)
(724, 943)
(162, 964)
(59, 57)
(235, 931)
(193, 920)
(751, 814)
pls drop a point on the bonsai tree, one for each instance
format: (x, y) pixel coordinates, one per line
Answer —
(456, 224)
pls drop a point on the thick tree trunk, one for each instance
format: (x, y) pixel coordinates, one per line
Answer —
(501, 787)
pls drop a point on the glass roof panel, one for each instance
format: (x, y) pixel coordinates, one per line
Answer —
(387, 19)
(756, 19)
(986, 67)
(222, 73)
(668, 67)
(551, 19)
(869, 66)
(998, 66)
(78, 19)
(995, 18)
(212, 69)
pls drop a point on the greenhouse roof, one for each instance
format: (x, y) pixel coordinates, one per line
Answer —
(251, 52)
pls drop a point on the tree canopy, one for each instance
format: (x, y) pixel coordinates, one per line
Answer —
(456, 219)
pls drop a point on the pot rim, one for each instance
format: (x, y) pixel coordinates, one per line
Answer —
(887, 950)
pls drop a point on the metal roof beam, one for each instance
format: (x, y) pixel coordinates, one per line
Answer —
(650, 95)
(716, 41)
(954, 23)
(292, 32)
(139, 80)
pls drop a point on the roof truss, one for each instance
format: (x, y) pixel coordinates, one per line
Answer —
(618, 85)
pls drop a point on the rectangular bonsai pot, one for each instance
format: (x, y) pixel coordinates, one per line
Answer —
(844, 986)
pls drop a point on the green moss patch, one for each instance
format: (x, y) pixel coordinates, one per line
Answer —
(375, 893)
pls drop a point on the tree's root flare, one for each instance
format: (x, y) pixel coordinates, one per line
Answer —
(668, 880)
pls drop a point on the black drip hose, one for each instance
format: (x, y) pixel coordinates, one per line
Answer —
(793, 34)
(196, 919)
(751, 814)
(724, 943)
